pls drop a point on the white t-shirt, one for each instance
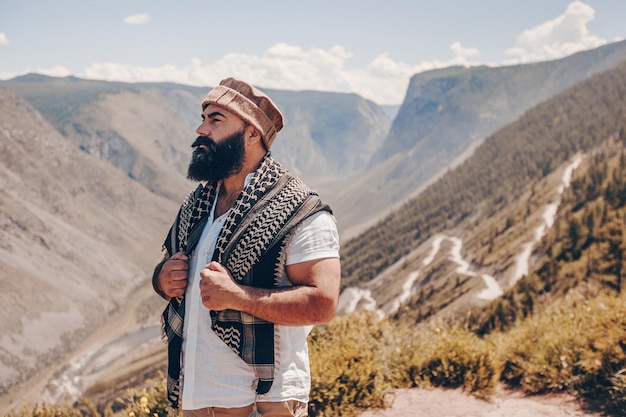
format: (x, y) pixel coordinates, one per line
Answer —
(215, 376)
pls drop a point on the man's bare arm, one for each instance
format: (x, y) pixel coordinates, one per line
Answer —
(312, 298)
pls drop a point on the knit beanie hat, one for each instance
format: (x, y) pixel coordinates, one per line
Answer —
(249, 103)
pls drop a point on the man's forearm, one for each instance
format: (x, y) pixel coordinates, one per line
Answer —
(289, 306)
(311, 299)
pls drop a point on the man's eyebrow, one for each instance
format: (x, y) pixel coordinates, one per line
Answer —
(215, 114)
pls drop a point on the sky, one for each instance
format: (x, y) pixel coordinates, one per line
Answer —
(367, 47)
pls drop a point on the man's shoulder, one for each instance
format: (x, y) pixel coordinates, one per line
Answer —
(320, 220)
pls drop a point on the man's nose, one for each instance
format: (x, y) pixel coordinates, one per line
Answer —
(203, 129)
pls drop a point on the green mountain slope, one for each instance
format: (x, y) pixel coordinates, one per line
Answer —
(507, 181)
(447, 112)
(585, 250)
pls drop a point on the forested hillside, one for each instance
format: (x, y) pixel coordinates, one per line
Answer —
(447, 112)
(505, 165)
(584, 250)
(560, 326)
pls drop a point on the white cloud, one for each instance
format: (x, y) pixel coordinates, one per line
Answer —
(556, 38)
(384, 80)
(56, 71)
(290, 67)
(461, 53)
(137, 19)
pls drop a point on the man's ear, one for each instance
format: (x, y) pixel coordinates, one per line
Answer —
(252, 134)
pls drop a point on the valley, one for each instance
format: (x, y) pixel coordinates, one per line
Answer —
(498, 225)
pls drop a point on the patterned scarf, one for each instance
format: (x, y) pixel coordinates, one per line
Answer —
(267, 210)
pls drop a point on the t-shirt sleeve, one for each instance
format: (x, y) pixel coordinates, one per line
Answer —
(316, 238)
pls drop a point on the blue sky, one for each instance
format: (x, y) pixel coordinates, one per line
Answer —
(368, 47)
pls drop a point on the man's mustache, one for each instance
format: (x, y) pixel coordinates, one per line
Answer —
(203, 140)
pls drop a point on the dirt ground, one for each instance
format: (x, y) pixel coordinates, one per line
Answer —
(456, 403)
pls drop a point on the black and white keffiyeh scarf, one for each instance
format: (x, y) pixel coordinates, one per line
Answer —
(250, 245)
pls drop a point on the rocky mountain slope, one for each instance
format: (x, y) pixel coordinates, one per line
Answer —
(79, 239)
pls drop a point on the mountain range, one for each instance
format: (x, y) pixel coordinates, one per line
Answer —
(145, 130)
(435, 206)
(446, 113)
(362, 162)
(471, 236)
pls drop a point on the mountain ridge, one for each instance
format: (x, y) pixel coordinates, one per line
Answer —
(504, 173)
(447, 112)
(146, 129)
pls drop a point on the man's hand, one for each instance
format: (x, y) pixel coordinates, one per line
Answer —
(217, 287)
(173, 275)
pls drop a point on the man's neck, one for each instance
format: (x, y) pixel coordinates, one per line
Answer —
(229, 192)
(233, 186)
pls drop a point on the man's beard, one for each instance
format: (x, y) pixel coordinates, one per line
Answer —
(219, 161)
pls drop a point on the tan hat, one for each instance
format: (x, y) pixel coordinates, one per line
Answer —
(249, 103)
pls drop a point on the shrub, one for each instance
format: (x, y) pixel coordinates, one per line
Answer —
(150, 401)
(450, 358)
(46, 410)
(574, 346)
(577, 346)
(349, 365)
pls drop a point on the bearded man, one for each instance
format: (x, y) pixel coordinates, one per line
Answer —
(251, 263)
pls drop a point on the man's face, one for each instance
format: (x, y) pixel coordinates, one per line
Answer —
(217, 154)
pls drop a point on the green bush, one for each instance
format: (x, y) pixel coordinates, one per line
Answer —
(450, 358)
(357, 360)
(579, 347)
(150, 401)
(47, 410)
(349, 365)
